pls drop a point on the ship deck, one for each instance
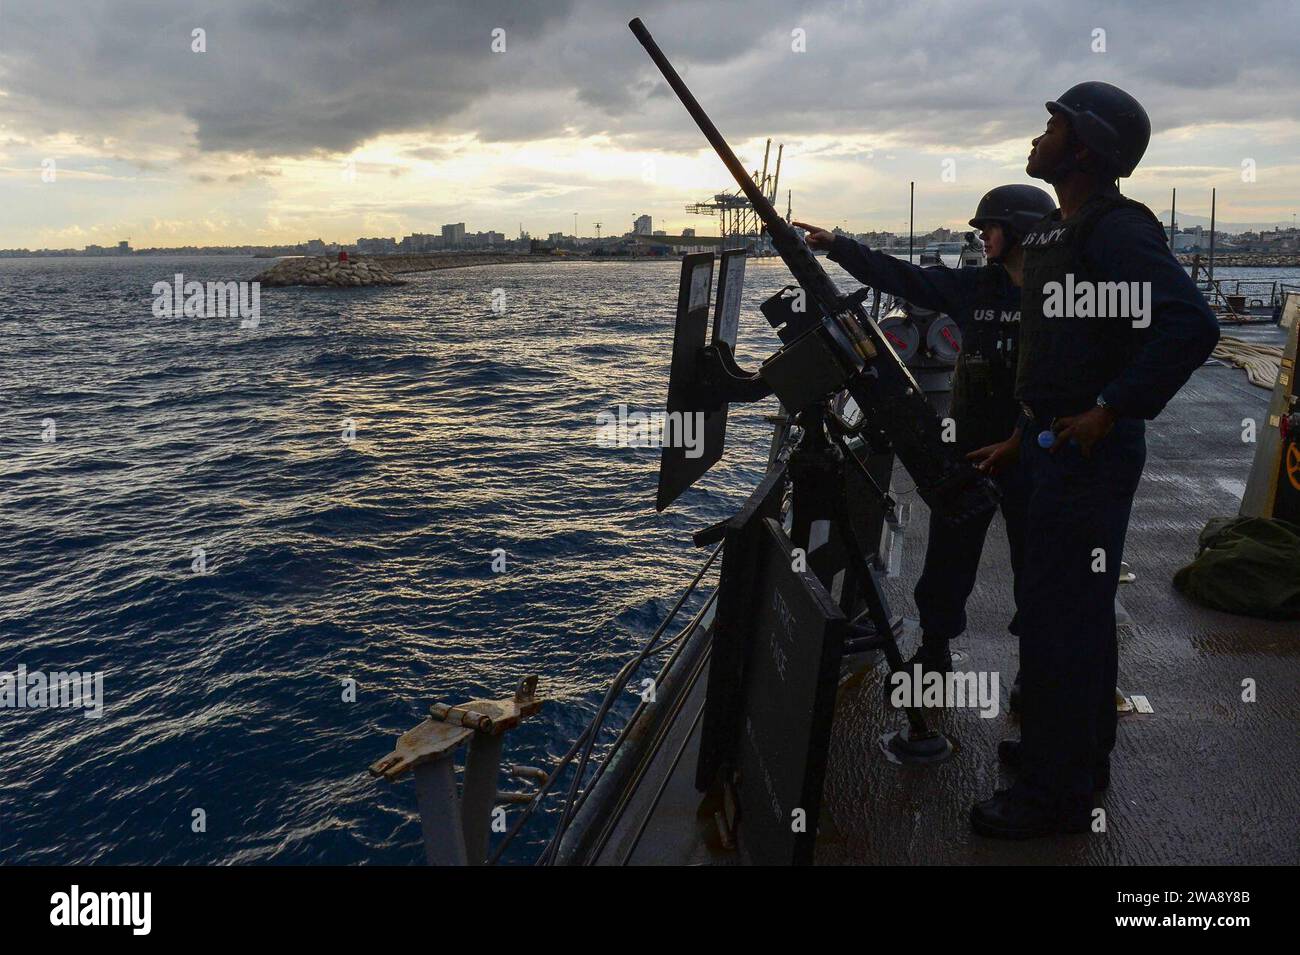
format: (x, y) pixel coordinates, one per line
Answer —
(1203, 779)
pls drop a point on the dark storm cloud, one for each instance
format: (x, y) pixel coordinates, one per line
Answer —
(286, 78)
(277, 78)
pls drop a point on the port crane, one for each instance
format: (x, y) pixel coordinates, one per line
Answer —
(739, 221)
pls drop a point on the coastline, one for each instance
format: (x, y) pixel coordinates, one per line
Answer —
(1242, 260)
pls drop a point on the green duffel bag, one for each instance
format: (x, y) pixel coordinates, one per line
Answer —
(1248, 566)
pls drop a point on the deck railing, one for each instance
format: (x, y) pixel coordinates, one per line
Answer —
(1247, 300)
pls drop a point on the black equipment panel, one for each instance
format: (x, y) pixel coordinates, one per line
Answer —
(791, 678)
(732, 628)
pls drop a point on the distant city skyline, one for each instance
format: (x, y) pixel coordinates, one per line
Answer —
(701, 225)
(1191, 226)
(232, 125)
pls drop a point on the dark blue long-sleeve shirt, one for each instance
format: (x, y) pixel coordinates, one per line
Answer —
(985, 304)
(1183, 331)
(959, 293)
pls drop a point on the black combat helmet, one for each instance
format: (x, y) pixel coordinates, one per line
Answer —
(1108, 121)
(1017, 208)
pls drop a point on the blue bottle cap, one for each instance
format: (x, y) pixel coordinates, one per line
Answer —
(1046, 439)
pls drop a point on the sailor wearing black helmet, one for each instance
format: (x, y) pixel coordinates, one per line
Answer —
(985, 304)
(1088, 377)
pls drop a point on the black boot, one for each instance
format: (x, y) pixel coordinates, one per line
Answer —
(1009, 815)
(933, 656)
(1009, 755)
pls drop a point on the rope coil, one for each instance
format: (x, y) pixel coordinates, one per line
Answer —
(1261, 362)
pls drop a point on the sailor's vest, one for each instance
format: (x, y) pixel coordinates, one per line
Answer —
(1065, 360)
(983, 401)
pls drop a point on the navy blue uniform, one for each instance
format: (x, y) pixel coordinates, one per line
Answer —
(977, 299)
(1078, 507)
(985, 304)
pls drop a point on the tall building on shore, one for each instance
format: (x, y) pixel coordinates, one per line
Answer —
(377, 246)
(643, 225)
(420, 242)
(453, 235)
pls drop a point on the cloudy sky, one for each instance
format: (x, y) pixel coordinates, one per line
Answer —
(346, 118)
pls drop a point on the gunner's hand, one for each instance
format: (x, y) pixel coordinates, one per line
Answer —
(1085, 429)
(817, 238)
(993, 459)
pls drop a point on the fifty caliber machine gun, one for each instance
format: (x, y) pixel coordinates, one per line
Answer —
(830, 347)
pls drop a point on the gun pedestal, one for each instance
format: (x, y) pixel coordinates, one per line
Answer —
(824, 527)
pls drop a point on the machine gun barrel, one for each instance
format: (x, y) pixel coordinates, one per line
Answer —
(803, 265)
(766, 211)
(888, 394)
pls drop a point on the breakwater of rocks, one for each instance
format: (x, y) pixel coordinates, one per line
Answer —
(311, 270)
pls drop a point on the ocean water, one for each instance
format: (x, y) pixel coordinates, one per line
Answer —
(326, 560)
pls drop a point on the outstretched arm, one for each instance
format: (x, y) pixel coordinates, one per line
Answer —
(943, 290)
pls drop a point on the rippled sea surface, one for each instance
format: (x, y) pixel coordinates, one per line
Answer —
(326, 560)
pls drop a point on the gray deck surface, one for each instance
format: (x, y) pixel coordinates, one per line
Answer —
(1205, 778)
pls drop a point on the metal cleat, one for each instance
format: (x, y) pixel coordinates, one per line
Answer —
(426, 743)
(492, 716)
(454, 826)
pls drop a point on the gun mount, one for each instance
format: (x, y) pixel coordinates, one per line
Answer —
(831, 346)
